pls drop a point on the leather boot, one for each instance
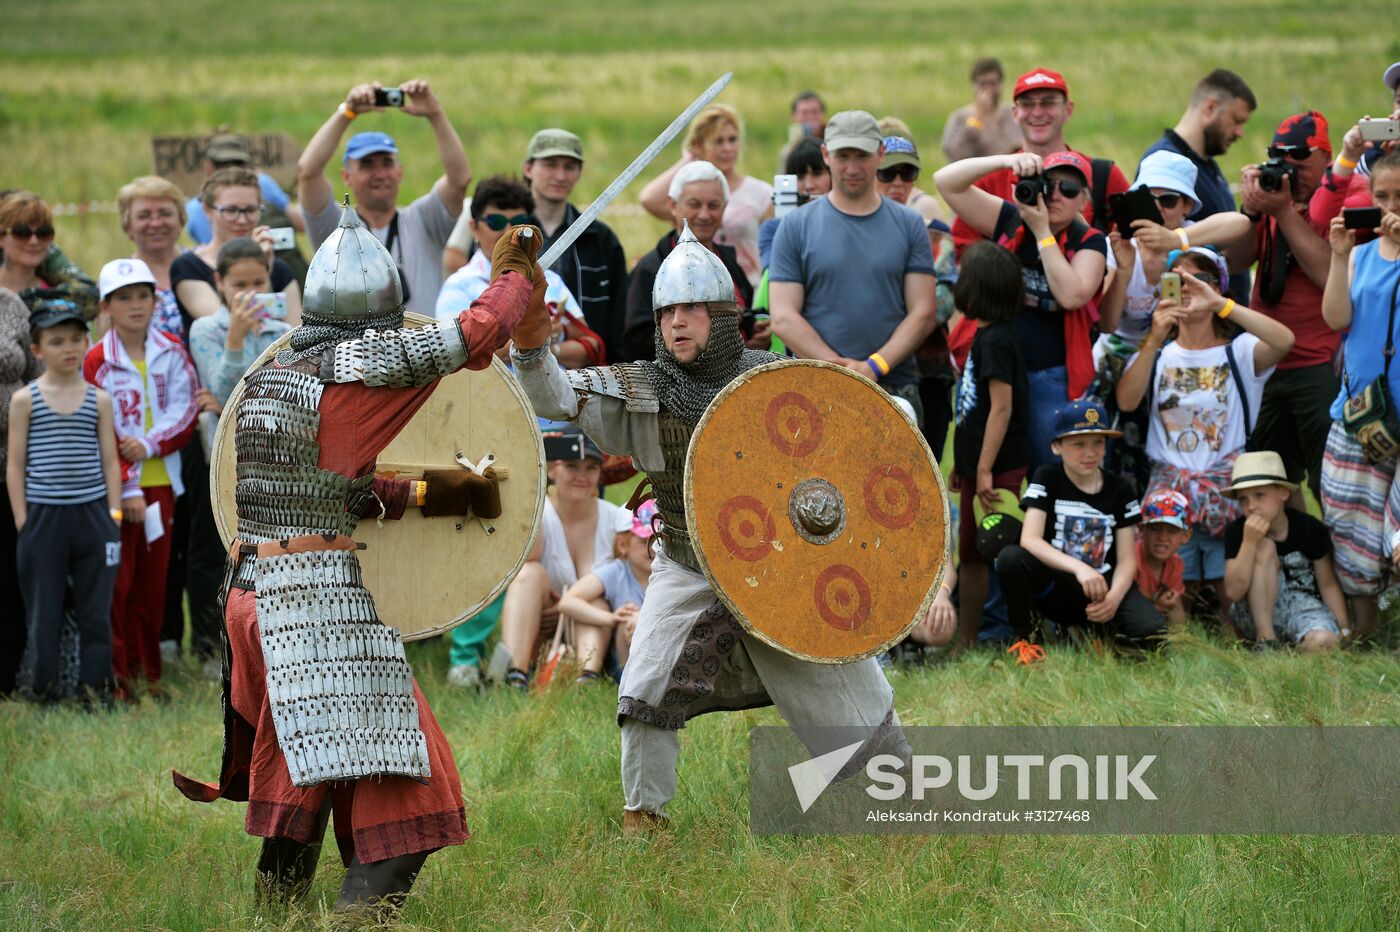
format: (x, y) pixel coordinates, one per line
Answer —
(286, 868)
(379, 889)
(642, 822)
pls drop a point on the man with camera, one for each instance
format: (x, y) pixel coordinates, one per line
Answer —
(852, 278)
(1294, 257)
(1041, 105)
(414, 235)
(1221, 105)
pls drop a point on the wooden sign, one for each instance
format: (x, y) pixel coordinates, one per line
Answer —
(181, 158)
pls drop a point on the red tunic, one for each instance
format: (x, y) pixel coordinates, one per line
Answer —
(382, 817)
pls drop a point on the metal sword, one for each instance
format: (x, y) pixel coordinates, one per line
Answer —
(586, 218)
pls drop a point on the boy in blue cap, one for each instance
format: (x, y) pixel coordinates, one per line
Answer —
(1077, 559)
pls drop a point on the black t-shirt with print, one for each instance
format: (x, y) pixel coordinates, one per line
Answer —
(1307, 541)
(995, 354)
(1077, 523)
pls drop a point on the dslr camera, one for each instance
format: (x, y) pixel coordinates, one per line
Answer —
(1272, 173)
(1028, 189)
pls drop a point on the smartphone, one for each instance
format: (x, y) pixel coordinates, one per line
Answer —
(1382, 129)
(1137, 204)
(557, 447)
(283, 238)
(1171, 287)
(785, 196)
(1361, 218)
(271, 306)
(388, 97)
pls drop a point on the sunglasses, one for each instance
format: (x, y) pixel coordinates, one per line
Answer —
(229, 213)
(906, 173)
(25, 231)
(1169, 201)
(1069, 189)
(1292, 153)
(499, 222)
(1210, 278)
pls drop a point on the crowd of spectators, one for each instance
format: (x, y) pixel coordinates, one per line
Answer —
(1176, 376)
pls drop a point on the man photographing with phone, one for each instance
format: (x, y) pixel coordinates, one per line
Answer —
(414, 235)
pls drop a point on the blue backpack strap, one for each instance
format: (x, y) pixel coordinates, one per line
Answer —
(1239, 387)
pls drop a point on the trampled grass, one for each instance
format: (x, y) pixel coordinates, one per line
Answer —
(94, 836)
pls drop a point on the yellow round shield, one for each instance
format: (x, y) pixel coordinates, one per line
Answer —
(817, 510)
(428, 575)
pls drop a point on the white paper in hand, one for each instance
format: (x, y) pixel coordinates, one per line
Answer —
(155, 528)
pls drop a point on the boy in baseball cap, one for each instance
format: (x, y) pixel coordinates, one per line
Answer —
(1278, 562)
(1161, 571)
(1077, 560)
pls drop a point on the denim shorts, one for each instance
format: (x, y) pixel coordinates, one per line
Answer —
(1204, 556)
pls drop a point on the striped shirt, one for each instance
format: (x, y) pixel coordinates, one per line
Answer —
(65, 462)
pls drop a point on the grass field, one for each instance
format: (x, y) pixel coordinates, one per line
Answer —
(93, 835)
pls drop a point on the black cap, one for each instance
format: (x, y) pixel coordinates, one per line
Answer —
(50, 308)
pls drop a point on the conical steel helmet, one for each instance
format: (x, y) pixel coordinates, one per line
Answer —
(691, 274)
(352, 276)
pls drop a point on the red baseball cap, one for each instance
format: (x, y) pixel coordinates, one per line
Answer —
(1041, 79)
(1303, 131)
(1068, 159)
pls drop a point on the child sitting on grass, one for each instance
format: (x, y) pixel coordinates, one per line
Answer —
(1077, 560)
(1278, 562)
(1160, 568)
(605, 602)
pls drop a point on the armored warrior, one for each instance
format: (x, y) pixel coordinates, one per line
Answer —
(321, 709)
(689, 655)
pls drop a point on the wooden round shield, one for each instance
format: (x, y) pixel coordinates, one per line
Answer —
(817, 511)
(430, 574)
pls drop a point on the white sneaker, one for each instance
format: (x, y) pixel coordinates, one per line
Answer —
(465, 676)
(169, 651)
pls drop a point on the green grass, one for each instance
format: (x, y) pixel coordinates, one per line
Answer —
(93, 835)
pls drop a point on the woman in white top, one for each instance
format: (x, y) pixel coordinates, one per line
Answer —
(576, 535)
(715, 136)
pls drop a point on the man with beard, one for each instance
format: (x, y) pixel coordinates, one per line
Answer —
(415, 235)
(321, 711)
(1220, 106)
(689, 655)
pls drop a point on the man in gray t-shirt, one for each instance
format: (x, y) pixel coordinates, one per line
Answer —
(851, 279)
(414, 235)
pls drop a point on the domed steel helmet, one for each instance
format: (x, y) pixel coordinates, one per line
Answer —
(692, 274)
(352, 276)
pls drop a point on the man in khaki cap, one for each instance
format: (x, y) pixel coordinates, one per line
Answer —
(1278, 563)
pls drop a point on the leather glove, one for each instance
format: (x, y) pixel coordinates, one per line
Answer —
(535, 328)
(516, 252)
(456, 491)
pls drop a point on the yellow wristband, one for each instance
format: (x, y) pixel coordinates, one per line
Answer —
(880, 363)
(117, 514)
(1181, 235)
(346, 112)
(975, 123)
(1345, 162)
(1047, 242)
(1225, 311)
(420, 493)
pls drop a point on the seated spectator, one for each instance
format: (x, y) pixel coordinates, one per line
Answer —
(715, 137)
(940, 623)
(1360, 497)
(989, 445)
(1062, 264)
(1290, 246)
(576, 536)
(898, 175)
(985, 126)
(604, 604)
(227, 342)
(1077, 560)
(1278, 563)
(152, 212)
(498, 204)
(808, 122)
(30, 264)
(698, 196)
(1203, 385)
(1163, 531)
(226, 150)
(235, 206)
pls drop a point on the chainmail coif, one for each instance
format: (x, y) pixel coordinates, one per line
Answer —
(317, 334)
(686, 389)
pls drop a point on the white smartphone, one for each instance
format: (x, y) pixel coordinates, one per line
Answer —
(283, 238)
(1382, 129)
(271, 306)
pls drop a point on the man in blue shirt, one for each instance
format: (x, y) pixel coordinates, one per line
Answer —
(1220, 106)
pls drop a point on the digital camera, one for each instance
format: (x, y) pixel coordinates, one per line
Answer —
(388, 97)
(1028, 189)
(1272, 173)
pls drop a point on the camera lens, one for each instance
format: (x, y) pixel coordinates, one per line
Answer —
(1027, 189)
